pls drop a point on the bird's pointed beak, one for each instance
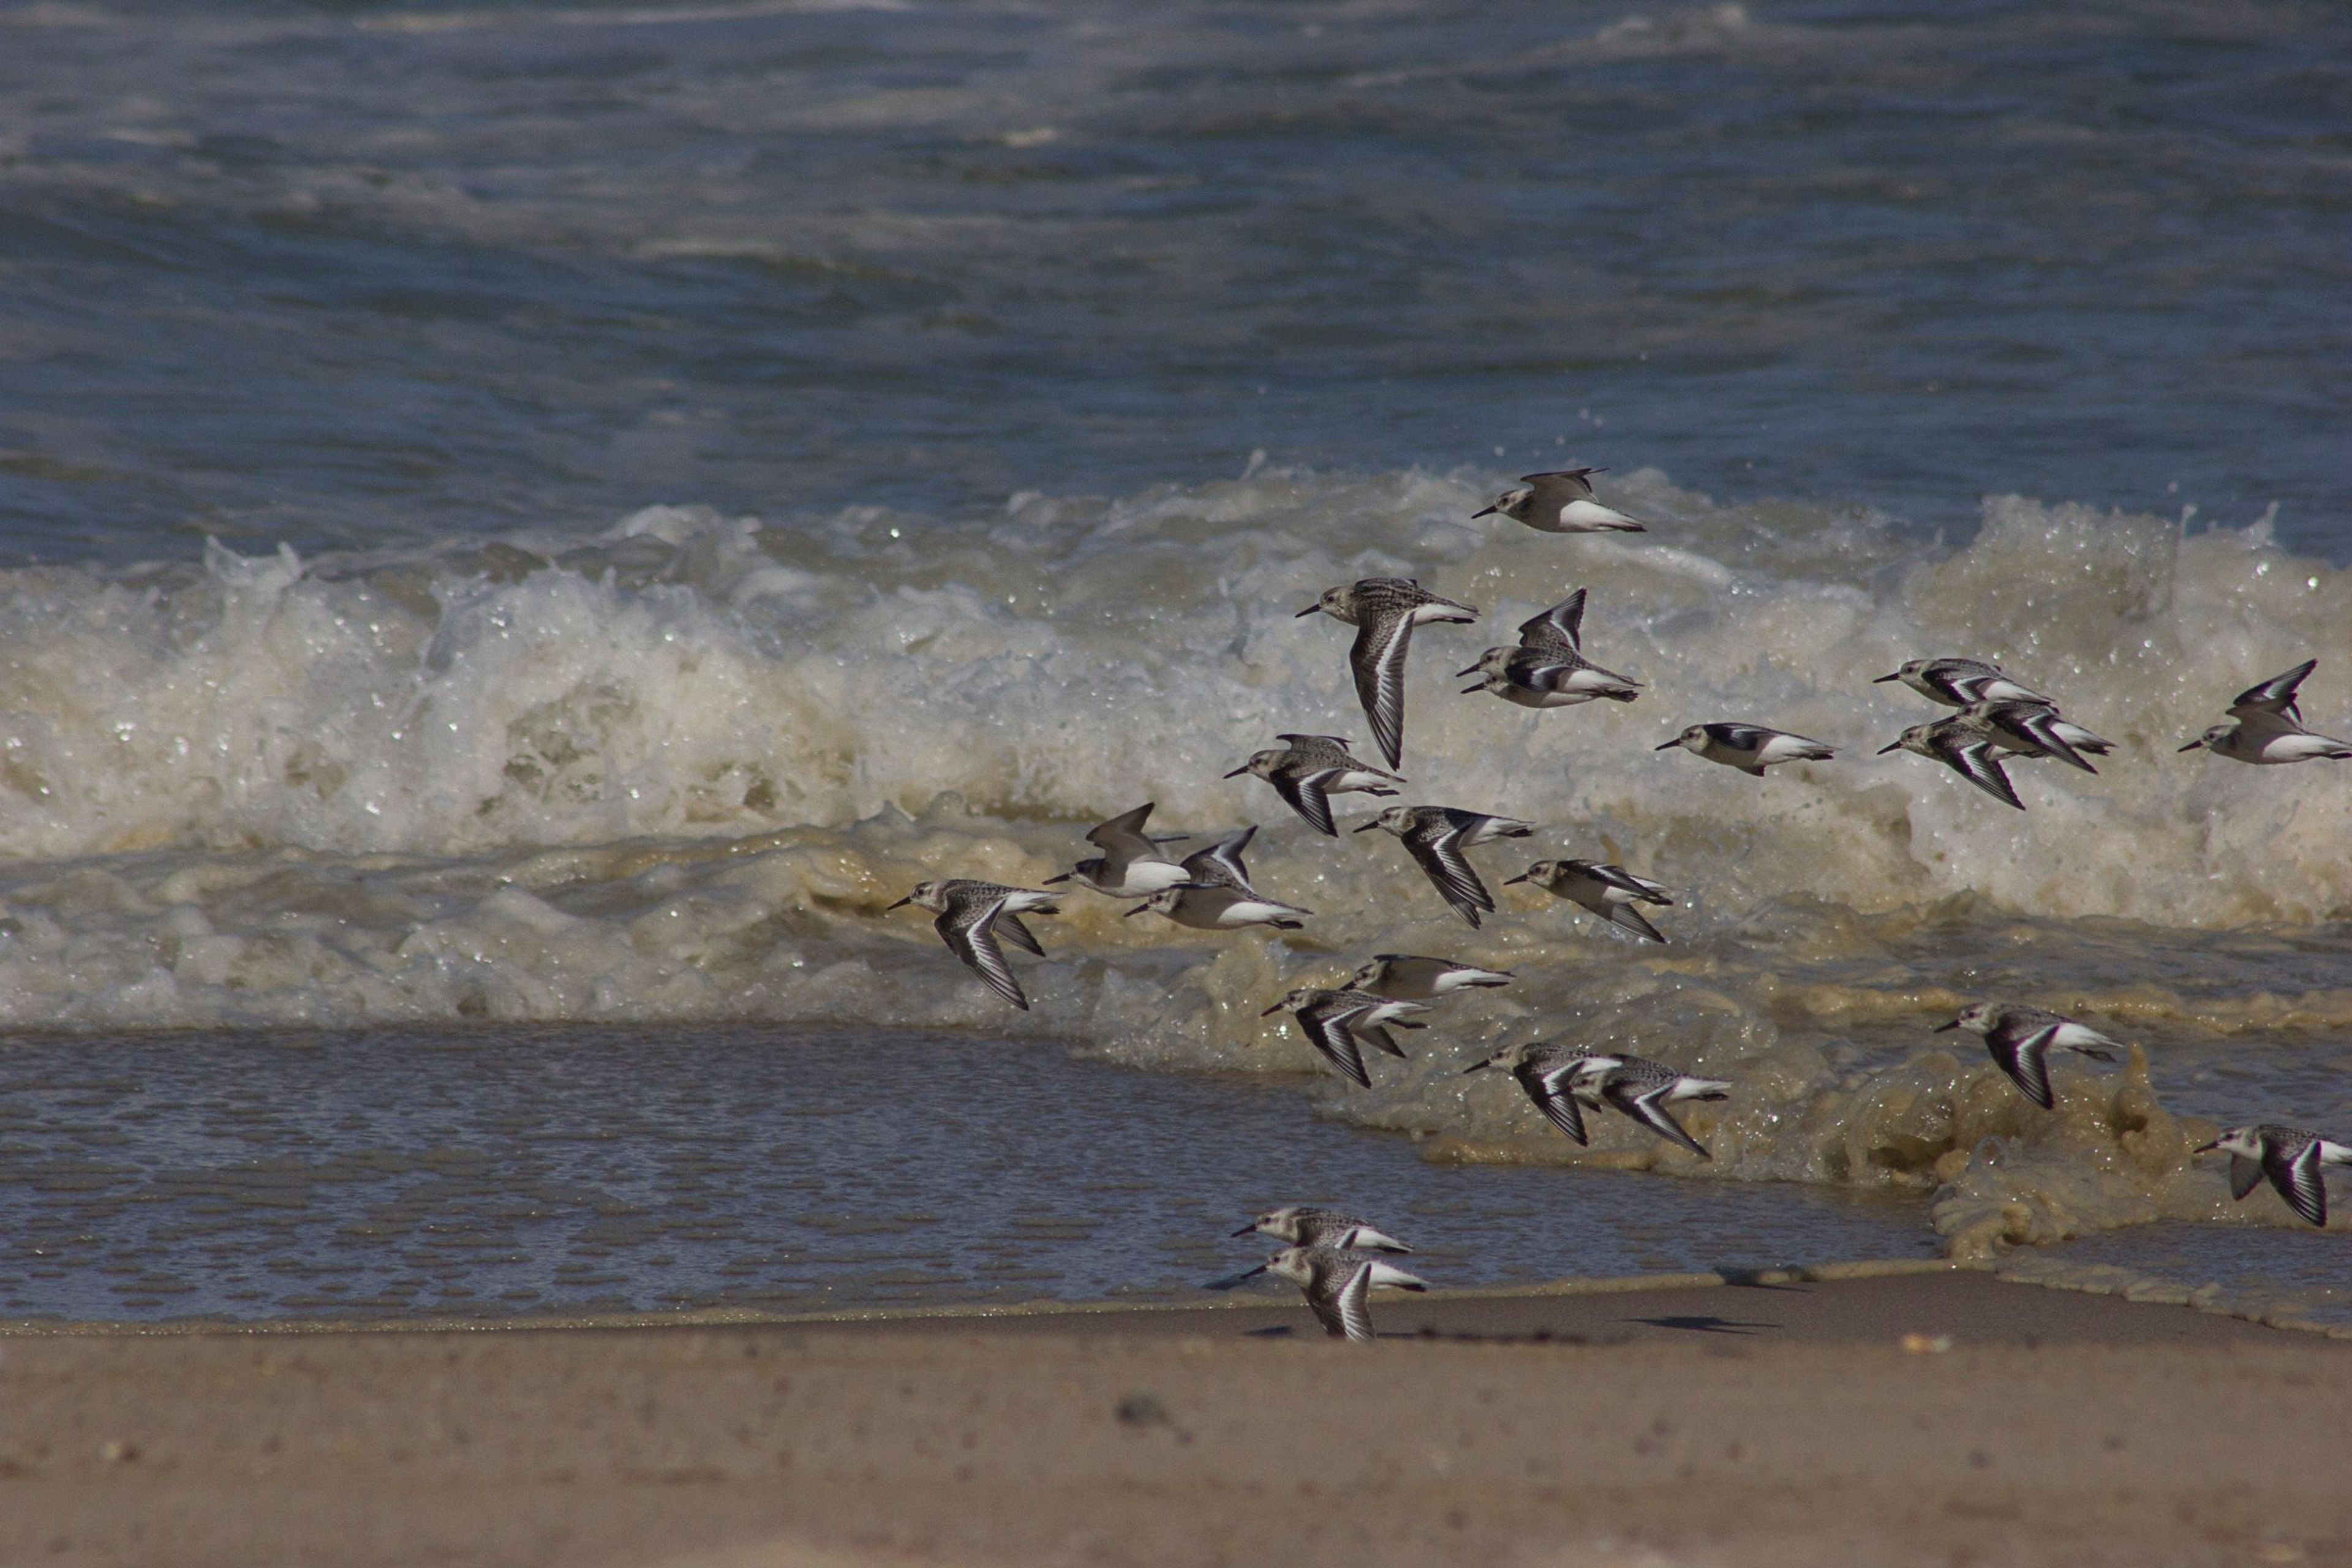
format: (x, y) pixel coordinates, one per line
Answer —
(1883, 680)
(1520, 878)
(1941, 1027)
(1237, 773)
(1896, 746)
(1307, 612)
(1368, 826)
(901, 904)
(1460, 673)
(2193, 745)
(1246, 1230)
(1269, 1013)
(1135, 911)
(1476, 1067)
(1474, 690)
(1669, 746)
(1488, 511)
(1063, 878)
(2207, 1148)
(1230, 1280)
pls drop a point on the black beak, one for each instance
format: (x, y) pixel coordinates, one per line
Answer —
(1487, 512)
(2207, 1148)
(1269, 1013)
(1520, 878)
(1476, 1067)
(1669, 746)
(1883, 680)
(1063, 878)
(1307, 612)
(1235, 775)
(2193, 745)
(1135, 911)
(901, 904)
(1367, 827)
(1896, 747)
(1941, 1027)
(1246, 1230)
(1230, 1280)
(1460, 673)
(1474, 690)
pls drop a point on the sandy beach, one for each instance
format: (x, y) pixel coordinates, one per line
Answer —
(1763, 1425)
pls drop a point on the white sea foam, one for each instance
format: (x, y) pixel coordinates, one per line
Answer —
(677, 770)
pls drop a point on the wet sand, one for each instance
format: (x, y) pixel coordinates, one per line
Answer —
(1762, 1425)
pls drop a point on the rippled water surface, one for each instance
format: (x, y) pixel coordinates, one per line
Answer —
(525, 517)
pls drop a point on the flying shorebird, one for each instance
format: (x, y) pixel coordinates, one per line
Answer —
(1339, 1024)
(1643, 1089)
(1216, 894)
(1384, 610)
(1957, 682)
(1336, 1283)
(2290, 1156)
(1543, 1070)
(1435, 837)
(1964, 743)
(1751, 748)
(2269, 727)
(1407, 977)
(1130, 865)
(973, 914)
(1609, 891)
(1548, 668)
(2023, 1038)
(2036, 730)
(1560, 502)
(1310, 769)
(1301, 1225)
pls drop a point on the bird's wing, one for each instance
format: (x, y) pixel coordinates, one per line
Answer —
(2245, 1176)
(1347, 1312)
(2277, 695)
(1304, 795)
(1618, 878)
(2028, 1065)
(1440, 855)
(1332, 1036)
(2039, 725)
(1563, 624)
(1378, 1035)
(976, 945)
(1220, 864)
(1549, 1091)
(1972, 760)
(1632, 920)
(1008, 927)
(2296, 1177)
(1123, 836)
(1562, 485)
(1377, 660)
(1640, 1102)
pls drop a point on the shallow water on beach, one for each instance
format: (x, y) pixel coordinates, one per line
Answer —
(532, 516)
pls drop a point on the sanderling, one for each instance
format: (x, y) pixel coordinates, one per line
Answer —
(1543, 1070)
(1310, 769)
(1409, 978)
(1130, 865)
(1548, 668)
(1216, 894)
(2037, 729)
(1336, 1283)
(1384, 610)
(1957, 682)
(1302, 1225)
(1339, 1024)
(1643, 1089)
(2269, 726)
(1435, 835)
(1561, 502)
(1963, 744)
(2021, 1038)
(2290, 1156)
(1609, 891)
(1751, 748)
(973, 914)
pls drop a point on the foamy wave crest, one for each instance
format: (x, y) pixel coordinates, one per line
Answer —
(680, 770)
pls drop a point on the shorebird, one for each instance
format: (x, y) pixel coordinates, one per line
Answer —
(1341, 1024)
(1957, 682)
(1548, 668)
(1337, 1284)
(1302, 1225)
(1216, 894)
(1751, 748)
(973, 914)
(1964, 743)
(2023, 1038)
(2269, 727)
(2290, 1156)
(2036, 730)
(1643, 1089)
(1384, 610)
(1609, 891)
(1130, 865)
(1561, 502)
(1435, 837)
(1409, 978)
(1543, 1070)
(1308, 769)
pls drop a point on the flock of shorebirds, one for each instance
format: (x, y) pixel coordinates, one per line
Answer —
(1336, 1259)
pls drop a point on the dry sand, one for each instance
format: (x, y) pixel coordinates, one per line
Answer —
(1756, 1426)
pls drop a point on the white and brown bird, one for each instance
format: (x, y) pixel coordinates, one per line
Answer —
(1561, 502)
(972, 915)
(1965, 744)
(1341, 1024)
(1436, 835)
(1303, 1225)
(1609, 891)
(1409, 977)
(1543, 1071)
(1306, 770)
(1216, 894)
(1643, 1089)
(1384, 610)
(2267, 726)
(2021, 1040)
(1751, 748)
(1130, 865)
(1548, 668)
(2292, 1157)
(1957, 682)
(1338, 1285)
